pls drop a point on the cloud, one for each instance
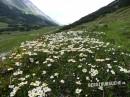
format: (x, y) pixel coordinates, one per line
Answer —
(68, 11)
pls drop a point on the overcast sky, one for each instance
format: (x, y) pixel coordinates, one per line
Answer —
(68, 11)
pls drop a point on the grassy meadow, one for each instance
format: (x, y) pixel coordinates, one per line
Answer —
(116, 25)
(68, 64)
(12, 39)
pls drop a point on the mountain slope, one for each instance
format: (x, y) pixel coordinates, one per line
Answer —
(27, 7)
(19, 12)
(110, 8)
(114, 22)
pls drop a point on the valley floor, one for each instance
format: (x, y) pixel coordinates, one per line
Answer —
(10, 40)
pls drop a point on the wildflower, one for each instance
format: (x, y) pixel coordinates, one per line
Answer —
(87, 78)
(43, 72)
(37, 62)
(93, 72)
(84, 70)
(62, 81)
(9, 69)
(78, 82)
(49, 65)
(62, 52)
(22, 83)
(107, 59)
(78, 78)
(22, 79)
(27, 76)
(11, 86)
(31, 60)
(44, 84)
(71, 60)
(17, 64)
(50, 60)
(115, 61)
(51, 77)
(39, 91)
(36, 83)
(15, 89)
(112, 72)
(78, 91)
(100, 60)
(18, 72)
(33, 74)
(107, 70)
(56, 74)
(79, 66)
(89, 64)
(124, 70)
(109, 66)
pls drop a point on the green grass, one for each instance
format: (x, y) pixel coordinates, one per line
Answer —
(116, 25)
(70, 61)
(10, 40)
(3, 25)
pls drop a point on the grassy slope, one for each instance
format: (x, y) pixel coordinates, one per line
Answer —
(3, 25)
(12, 40)
(117, 27)
(67, 70)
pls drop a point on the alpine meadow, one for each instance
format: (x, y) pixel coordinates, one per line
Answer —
(88, 58)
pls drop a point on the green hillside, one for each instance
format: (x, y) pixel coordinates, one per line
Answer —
(112, 19)
(116, 25)
(3, 25)
(18, 20)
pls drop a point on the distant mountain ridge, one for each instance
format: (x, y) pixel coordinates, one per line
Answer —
(26, 7)
(23, 12)
(115, 5)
